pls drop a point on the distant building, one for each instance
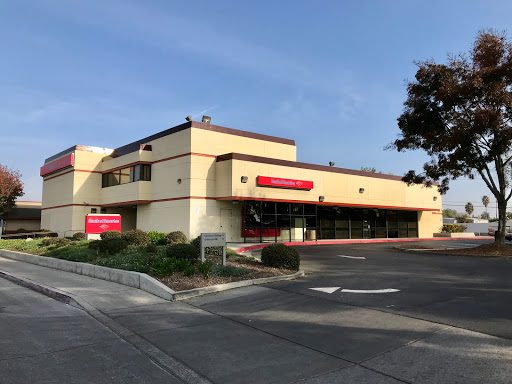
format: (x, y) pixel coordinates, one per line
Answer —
(26, 215)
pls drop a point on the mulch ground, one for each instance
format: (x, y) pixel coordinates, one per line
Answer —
(490, 250)
(179, 282)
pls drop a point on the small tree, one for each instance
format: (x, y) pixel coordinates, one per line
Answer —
(460, 114)
(449, 213)
(469, 208)
(485, 215)
(11, 188)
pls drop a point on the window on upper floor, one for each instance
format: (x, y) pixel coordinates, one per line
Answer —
(139, 172)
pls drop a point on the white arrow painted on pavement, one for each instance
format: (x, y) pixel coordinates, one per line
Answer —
(388, 290)
(326, 289)
(353, 257)
(334, 289)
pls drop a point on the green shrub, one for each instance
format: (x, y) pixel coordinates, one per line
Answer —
(205, 268)
(164, 267)
(151, 248)
(176, 237)
(22, 230)
(57, 241)
(112, 246)
(182, 251)
(280, 256)
(110, 235)
(129, 259)
(94, 244)
(182, 264)
(453, 228)
(135, 237)
(196, 242)
(157, 237)
(79, 236)
(189, 271)
(78, 251)
(230, 271)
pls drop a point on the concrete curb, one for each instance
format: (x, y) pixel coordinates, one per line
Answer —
(51, 292)
(182, 295)
(135, 279)
(370, 241)
(131, 279)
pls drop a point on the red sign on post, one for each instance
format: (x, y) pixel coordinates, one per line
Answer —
(63, 162)
(102, 223)
(278, 182)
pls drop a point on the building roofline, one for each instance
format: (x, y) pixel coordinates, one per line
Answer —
(134, 146)
(315, 167)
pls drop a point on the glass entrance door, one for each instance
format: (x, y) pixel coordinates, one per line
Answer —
(366, 224)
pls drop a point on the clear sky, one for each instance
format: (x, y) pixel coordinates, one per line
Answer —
(328, 74)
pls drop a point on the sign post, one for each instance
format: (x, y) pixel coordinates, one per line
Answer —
(213, 240)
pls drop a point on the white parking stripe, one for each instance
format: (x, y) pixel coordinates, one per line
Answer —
(388, 290)
(353, 257)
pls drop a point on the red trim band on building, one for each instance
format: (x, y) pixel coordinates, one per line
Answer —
(54, 166)
(279, 182)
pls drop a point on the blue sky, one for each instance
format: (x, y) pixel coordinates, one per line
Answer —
(328, 74)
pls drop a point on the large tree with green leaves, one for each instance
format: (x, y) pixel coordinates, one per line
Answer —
(11, 188)
(460, 114)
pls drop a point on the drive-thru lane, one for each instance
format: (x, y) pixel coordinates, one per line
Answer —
(423, 333)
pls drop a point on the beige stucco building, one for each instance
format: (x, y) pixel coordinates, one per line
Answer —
(198, 177)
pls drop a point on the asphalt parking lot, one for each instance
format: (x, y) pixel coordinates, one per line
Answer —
(388, 316)
(464, 291)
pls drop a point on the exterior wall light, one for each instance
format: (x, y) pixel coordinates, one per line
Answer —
(435, 198)
(321, 198)
(206, 119)
(179, 181)
(244, 179)
(361, 190)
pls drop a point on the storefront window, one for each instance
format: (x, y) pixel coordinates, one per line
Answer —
(139, 172)
(282, 222)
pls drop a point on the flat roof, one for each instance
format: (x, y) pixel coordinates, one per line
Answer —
(135, 146)
(315, 167)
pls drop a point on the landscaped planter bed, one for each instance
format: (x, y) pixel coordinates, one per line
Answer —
(137, 259)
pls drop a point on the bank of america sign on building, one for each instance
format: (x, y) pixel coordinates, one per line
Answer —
(198, 177)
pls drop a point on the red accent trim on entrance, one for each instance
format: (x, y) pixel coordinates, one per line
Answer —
(437, 213)
(331, 242)
(325, 203)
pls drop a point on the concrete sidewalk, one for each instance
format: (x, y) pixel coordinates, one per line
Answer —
(265, 335)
